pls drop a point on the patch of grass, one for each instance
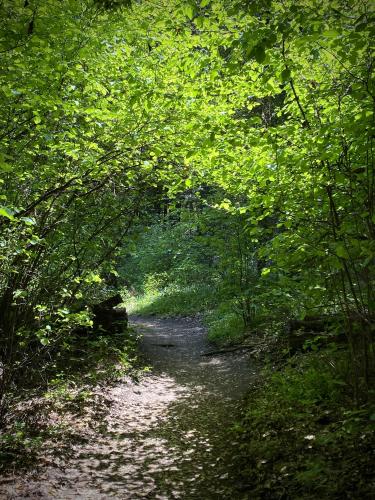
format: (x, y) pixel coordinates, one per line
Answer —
(301, 437)
(172, 301)
(224, 327)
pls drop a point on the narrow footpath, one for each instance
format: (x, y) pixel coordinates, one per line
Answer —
(167, 437)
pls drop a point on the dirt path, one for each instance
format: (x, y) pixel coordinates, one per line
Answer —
(166, 437)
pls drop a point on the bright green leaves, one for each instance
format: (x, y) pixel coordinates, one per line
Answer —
(188, 10)
(93, 278)
(265, 271)
(29, 221)
(89, 116)
(270, 105)
(5, 166)
(7, 212)
(43, 335)
(19, 294)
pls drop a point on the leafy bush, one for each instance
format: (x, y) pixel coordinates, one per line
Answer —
(224, 326)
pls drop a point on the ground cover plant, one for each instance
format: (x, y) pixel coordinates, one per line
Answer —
(302, 437)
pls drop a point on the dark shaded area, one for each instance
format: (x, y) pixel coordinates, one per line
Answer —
(107, 318)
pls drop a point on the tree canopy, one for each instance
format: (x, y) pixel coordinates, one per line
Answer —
(113, 109)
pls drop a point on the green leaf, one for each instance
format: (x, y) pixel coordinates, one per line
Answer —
(5, 167)
(285, 75)
(341, 251)
(29, 221)
(93, 278)
(188, 11)
(330, 33)
(258, 53)
(7, 212)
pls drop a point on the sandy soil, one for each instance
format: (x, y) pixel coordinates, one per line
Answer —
(166, 437)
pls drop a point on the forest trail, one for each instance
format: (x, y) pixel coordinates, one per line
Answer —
(165, 437)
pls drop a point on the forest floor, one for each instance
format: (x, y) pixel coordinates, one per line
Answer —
(166, 436)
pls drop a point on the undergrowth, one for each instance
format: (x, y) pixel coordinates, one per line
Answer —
(39, 413)
(302, 437)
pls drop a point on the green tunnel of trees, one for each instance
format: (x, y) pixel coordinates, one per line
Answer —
(242, 133)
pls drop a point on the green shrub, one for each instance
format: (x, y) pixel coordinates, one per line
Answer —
(224, 327)
(300, 436)
(308, 385)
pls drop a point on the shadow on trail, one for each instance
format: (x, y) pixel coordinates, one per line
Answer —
(195, 426)
(166, 437)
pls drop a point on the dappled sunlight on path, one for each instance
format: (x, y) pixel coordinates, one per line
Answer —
(165, 437)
